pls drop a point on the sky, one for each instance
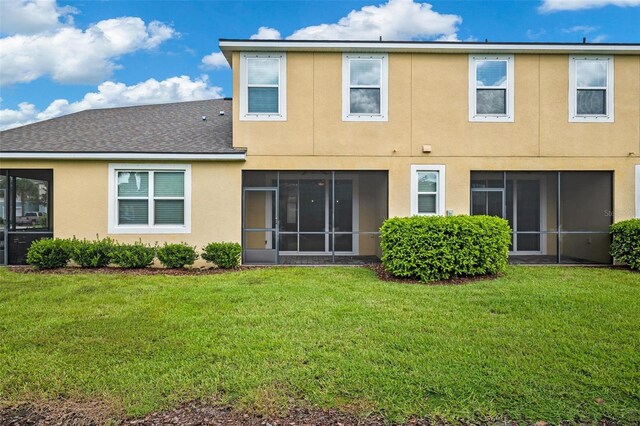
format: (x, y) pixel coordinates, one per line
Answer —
(60, 57)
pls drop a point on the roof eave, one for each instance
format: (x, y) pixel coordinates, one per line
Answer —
(227, 46)
(155, 156)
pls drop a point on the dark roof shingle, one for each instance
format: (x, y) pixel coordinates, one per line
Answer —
(162, 128)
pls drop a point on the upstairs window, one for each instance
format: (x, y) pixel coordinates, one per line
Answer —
(263, 86)
(491, 88)
(591, 88)
(364, 87)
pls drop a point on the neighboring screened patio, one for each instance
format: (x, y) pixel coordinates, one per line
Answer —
(313, 217)
(556, 217)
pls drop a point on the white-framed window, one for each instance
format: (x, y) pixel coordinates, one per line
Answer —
(590, 89)
(428, 189)
(491, 88)
(638, 191)
(263, 86)
(365, 93)
(149, 198)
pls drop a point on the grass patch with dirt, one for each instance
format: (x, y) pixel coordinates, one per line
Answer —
(540, 343)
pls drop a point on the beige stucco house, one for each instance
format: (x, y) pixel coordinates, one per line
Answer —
(323, 140)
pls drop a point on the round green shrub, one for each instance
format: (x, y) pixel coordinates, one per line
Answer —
(92, 254)
(625, 245)
(434, 248)
(136, 255)
(49, 253)
(177, 255)
(224, 255)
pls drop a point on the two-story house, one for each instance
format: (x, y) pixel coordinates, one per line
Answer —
(323, 140)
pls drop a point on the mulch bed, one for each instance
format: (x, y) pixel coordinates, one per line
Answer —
(189, 414)
(208, 414)
(134, 271)
(376, 267)
(386, 276)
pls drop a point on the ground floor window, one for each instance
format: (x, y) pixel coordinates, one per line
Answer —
(149, 198)
(555, 217)
(313, 216)
(427, 190)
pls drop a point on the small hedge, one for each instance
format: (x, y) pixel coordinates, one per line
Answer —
(177, 255)
(224, 255)
(136, 255)
(49, 253)
(625, 246)
(92, 254)
(434, 248)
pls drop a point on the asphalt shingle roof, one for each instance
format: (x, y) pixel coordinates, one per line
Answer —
(161, 128)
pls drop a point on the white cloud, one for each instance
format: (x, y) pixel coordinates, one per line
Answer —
(579, 29)
(535, 34)
(394, 20)
(266, 33)
(33, 16)
(600, 38)
(72, 55)
(559, 5)
(111, 94)
(215, 61)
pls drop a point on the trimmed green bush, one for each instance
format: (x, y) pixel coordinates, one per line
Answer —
(625, 246)
(92, 254)
(434, 248)
(136, 255)
(224, 255)
(177, 255)
(49, 253)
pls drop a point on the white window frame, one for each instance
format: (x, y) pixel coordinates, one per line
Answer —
(509, 99)
(281, 115)
(150, 228)
(638, 191)
(440, 197)
(346, 86)
(573, 91)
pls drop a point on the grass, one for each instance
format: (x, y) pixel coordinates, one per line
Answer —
(540, 343)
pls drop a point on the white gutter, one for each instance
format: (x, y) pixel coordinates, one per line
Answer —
(228, 46)
(120, 156)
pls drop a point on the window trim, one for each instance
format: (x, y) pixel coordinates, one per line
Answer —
(115, 228)
(282, 88)
(638, 191)
(573, 91)
(346, 86)
(509, 99)
(440, 197)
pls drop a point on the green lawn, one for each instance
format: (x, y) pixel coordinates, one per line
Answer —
(541, 343)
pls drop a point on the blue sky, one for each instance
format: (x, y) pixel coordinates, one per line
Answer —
(65, 56)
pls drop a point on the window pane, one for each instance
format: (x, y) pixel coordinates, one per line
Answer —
(169, 212)
(365, 101)
(427, 181)
(169, 184)
(312, 242)
(491, 101)
(133, 212)
(263, 70)
(263, 100)
(491, 73)
(591, 73)
(426, 203)
(133, 184)
(591, 102)
(365, 72)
